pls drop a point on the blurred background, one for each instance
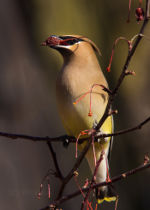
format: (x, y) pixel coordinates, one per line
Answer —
(28, 106)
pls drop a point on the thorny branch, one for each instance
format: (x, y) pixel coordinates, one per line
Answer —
(92, 134)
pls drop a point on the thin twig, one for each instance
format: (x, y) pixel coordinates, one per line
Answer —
(74, 168)
(60, 199)
(113, 180)
(37, 138)
(63, 138)
(58, 171)
(125, 67)
(114, 92)
(93, 180)
(71, 139)
(121, 132)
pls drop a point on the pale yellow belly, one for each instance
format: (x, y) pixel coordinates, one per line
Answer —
(75, 116)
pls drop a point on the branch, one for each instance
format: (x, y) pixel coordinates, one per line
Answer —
(93, 180)
(125, 67)
(76, 165)
(113, 180)
(63, 139)
(107, 111)
(70, 139)
(60, 199)
(117, 133)
(58, 171)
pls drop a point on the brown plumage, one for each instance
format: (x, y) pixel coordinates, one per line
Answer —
(80, 71)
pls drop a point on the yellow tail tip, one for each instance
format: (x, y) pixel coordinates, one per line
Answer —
(107, 199)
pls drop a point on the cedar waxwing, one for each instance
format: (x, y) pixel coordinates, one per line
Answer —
(80, 71)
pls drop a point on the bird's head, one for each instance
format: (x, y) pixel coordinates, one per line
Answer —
(68, 44)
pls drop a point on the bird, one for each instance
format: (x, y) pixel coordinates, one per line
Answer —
(79, 73)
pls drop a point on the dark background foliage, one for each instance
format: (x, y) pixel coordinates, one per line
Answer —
(27, 97)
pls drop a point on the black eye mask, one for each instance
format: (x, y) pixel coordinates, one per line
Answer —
(69, 40)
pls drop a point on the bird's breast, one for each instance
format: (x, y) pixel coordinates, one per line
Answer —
(74, 106)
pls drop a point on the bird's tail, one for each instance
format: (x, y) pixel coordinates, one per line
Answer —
(105, 194)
